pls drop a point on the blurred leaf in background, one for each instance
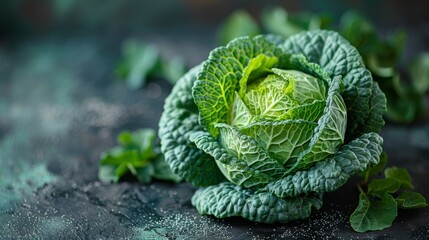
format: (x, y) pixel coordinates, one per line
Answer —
(136, 155)
(277, 20)
(138, 63)
(238, 24)
(419, 72)
(141, 61)
(172, 70)
(405, 102)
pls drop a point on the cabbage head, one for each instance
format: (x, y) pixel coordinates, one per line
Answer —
(266, 125)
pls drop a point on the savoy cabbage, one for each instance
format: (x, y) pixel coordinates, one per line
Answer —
(267, 125)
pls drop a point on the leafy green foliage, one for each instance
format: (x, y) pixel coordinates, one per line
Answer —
(238, 24)
(374, 213)
(378, 187)
(278, 21)
(272, 124)
(411, 200)
(178, 123)
(142, 61)
(399, 174)
(139, 62)
(419, 72)
(382, 55)
(136, 155)
(214, 90)
(378, 205)
(228, 200)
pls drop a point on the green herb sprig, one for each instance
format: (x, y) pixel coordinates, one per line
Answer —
(380, 198)
(138, 155)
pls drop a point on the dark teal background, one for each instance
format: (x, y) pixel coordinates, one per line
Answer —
(61, 106)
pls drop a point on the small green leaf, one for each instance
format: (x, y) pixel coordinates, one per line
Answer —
(400, 174)
(121, 170)
(137, 155)
(276, 21)
(256, 68)
(173, 69)
(125, 138)
(378, 187)
(373, 213)
(139, 60)
(411, 200)
(238, 24)
(144, 174)
(120, 157)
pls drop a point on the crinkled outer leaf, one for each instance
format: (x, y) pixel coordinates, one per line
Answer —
(282, 140)
(234, 170)
(178, 121)
(377, 105)
(338, 57)
(218, 80)
(227, 200)
(329, 134)
(332, 173)
(376, 169)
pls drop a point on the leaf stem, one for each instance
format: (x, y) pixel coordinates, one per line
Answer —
(360, 189)
(366, 177)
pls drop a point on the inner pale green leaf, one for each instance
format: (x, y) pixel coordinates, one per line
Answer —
(302, 87)
(240, 114)
(268, 100)
(256, 68)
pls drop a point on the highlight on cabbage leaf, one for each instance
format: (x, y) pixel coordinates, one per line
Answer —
(266, 125)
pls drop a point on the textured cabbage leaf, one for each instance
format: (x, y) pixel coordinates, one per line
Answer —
(270, 124)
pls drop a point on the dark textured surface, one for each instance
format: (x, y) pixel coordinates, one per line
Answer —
(60, 108)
